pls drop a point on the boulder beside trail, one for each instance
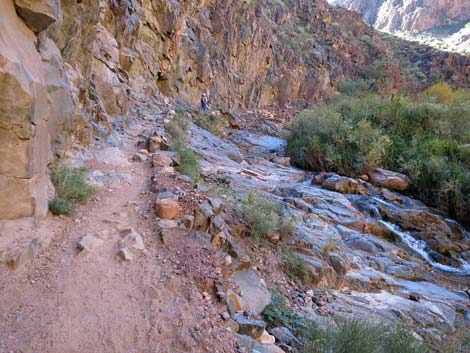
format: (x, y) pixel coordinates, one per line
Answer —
(255, 296)
(168, 209)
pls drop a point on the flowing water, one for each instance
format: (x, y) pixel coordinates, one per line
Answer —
(420, 248)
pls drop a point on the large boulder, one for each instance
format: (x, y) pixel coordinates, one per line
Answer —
(344, 185)
(37, 14)
(254, 295)
(389, 179)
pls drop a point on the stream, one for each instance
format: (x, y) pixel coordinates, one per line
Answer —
(381, 254)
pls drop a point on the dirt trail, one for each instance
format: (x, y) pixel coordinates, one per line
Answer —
(65, 301)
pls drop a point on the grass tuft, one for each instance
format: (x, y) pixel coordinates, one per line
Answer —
(71, 187)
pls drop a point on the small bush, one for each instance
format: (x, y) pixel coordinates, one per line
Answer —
(357, 335)
(279, 314)
(178, 127)
(458, 343)
(71, 187)
(178, 130)
(329, 247)
(265, 218)
(345, 336)
(442, 92)
(189, 165)
(297, 269)
(59, 206)
(401, 340)
(355, 87)
(210, 122)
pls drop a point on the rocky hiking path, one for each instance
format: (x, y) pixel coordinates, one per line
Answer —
(67, 300)
(117, 278)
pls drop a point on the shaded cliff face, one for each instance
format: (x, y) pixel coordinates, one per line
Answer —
(75, 66)
(441, 21)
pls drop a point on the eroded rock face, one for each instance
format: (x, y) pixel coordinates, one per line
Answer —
(37, 14)
(32, 84)
(437, 23)
(411, 15)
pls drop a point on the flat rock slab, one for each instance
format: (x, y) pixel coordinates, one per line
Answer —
(255, 296)
(250, 327)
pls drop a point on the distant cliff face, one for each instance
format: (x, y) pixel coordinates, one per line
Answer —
(68, 68)
(441, 21)
(410, 15)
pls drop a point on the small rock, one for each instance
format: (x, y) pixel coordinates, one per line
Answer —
(225, 315)
(125, 254)
(89, 243)
(266, 338)
(139, 157)
(232, 325)
(131, 238)
(250, 327)
(309, 293)
(228, 260)
(167, 223)
(168, 209)
(285, 336)
(188, 221)
(165, 159)
(284, 161)
(414, 297)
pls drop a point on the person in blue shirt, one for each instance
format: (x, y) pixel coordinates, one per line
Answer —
(204, 105)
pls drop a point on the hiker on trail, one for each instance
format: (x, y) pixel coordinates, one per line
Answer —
(204, 106)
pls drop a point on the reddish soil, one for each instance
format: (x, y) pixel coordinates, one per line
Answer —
(64, 301)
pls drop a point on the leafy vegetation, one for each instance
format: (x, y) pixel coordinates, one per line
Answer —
(279, 314)
(458, 343)
(178, 130)
(426, 137)
(297, 269)
(264, 217)
(71, 187)
(189, 164)
(210, 122)
(357, 335)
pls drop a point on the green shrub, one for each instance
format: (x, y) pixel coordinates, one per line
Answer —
(297, 269)
(426, 137)
(277, 313)
(59, 206)
(189, 164)
(178, 128)
(355, 87)
(71, 187)
(321, 139)
(357, 335)
(264, 217)
(401, 340)
(345, 336)
(210, 122)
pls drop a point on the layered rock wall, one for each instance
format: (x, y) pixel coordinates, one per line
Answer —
(35, 106)
(68, 69)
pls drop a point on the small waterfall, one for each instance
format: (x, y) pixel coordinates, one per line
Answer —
(420, 248)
